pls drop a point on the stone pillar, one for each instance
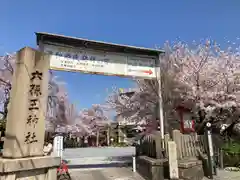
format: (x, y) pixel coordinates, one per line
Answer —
(177, 136)
(166, 139)
(172, 160)
(25, 128)
(158, 143)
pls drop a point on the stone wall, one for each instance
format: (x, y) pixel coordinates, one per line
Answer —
(188, 162)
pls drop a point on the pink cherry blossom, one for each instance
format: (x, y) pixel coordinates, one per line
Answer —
(199, 76)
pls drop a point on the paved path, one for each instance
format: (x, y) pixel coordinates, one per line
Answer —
(80, 157)
(100, 157)
(105, 174)
(89, 163)
(99, 152)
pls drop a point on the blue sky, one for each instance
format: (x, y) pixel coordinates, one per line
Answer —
(134, 22)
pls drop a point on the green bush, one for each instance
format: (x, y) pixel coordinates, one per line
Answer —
(231, 154)
(232, 147)
(121, 144)
(3, 124)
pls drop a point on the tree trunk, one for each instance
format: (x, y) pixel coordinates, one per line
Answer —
(119, 134)
(108, 135)
(97, 143)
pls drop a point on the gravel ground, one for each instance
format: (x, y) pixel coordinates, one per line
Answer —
(127, 174)
(105, 174)
(226, 175)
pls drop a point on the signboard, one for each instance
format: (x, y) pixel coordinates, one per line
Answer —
(187, 123)
(99, 62)
(58, 146)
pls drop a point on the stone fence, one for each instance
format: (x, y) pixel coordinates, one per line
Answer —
(187, 145)
(152, 162)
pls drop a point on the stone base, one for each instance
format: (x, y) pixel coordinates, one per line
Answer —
(152, 169)
(34, 168)
(158, 169)
(190, 169)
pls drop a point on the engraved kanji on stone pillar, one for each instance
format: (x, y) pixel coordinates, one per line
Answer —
(25, 126)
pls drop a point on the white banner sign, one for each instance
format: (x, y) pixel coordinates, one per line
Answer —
(73, 59)
(58, 146)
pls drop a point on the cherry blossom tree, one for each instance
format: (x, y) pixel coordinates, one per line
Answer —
(6, 72)
(58, 105)
(61, 112)
(91, 121)
(210, 77)
(136, 105)
(199, 76)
